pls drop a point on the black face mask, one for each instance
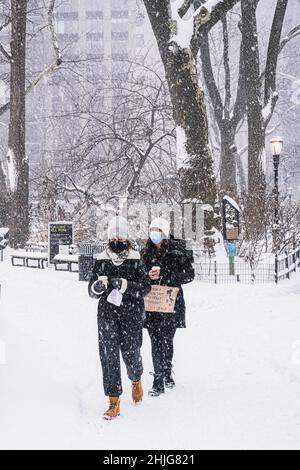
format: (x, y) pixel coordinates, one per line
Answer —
(118, 246)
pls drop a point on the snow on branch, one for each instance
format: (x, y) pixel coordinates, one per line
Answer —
(3, 231)
(6, 23)
(11, 171)
(291, 35)
(268, 109)
(185, 7)
(45, 73)
(53, 32)
(181, 141)
(4, 52)
(52, 67)
(186, 29)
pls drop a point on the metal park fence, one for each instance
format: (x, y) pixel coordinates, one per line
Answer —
(211, 271)
(286, 264)
(222, 273)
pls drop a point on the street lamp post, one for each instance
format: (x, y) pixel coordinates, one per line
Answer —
(276, 147)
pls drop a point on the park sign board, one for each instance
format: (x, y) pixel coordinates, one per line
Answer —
(231, 219)
(59, 234)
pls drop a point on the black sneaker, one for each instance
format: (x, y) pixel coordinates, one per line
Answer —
(158, 387)
(169, 381)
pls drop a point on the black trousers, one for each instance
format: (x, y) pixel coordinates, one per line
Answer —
(162, 335)
(123, 333)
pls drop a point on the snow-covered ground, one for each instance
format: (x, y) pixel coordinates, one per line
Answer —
(237, 370)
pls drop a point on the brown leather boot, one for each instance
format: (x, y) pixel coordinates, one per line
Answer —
(137, 391)
(114, 408)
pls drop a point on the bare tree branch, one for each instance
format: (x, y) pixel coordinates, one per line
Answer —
(207, 16)
(185, 7)
(52, 67)
(226, 68)
(273, 51)
(6, 54)
(291, 35)
(209, 77)
(53, 32)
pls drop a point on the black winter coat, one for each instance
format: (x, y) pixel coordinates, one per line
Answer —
(138, 286)
(176, 264)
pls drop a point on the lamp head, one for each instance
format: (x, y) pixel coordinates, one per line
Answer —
(276, 146)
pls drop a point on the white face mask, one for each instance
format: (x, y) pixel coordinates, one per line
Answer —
(156, 237)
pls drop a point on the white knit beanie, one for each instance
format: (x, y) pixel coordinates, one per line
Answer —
(162, 224)
(117, 228)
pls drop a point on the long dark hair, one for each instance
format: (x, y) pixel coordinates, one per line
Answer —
(150, 249)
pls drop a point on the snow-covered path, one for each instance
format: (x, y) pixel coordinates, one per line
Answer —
(237, 369)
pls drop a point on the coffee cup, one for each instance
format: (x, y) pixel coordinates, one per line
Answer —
(156, 269)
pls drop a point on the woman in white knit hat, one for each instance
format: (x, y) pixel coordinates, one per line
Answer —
(120, 282)
(168, 263)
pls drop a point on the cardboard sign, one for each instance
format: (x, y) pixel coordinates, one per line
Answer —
(161, 299)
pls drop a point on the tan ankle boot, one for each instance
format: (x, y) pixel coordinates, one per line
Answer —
(137, 391)
(114, 408)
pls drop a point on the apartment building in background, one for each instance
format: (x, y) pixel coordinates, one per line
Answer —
(97, 38)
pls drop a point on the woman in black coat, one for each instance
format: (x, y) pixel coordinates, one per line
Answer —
(120, 282)
(169, 264)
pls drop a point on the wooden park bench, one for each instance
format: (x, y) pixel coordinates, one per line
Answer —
(29, 259)
(36, 246)
(67, 262)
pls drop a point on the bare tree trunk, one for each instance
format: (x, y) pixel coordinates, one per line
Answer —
(190, 114)
(16, 157)
(241, 174)
(189, 107)
(226, 123)
(228, 161)
(256, 126)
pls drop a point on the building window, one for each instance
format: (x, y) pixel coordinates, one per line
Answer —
(67, 15)
(120, 56)
(94, 5)
(94, 15)
(94, 25)
(68, 37)
(69, 5)
(94, 36)
(67, 27)
(119, 14)
(140, 39)
(140, 18)
(119, 35)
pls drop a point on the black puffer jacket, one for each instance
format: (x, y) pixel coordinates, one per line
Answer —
(176, 263)
(138, 286)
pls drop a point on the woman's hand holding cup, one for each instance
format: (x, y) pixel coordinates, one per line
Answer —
(154, 274)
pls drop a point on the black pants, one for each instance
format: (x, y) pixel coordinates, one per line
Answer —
(162, 340)
(119, 332)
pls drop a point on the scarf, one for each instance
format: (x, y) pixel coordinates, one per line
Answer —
(117, 258)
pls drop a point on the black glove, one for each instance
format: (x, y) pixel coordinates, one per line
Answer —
(119, 283)
(98, 287)
(116, 283)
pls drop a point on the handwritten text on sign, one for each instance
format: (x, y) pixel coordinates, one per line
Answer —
(161, 299)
